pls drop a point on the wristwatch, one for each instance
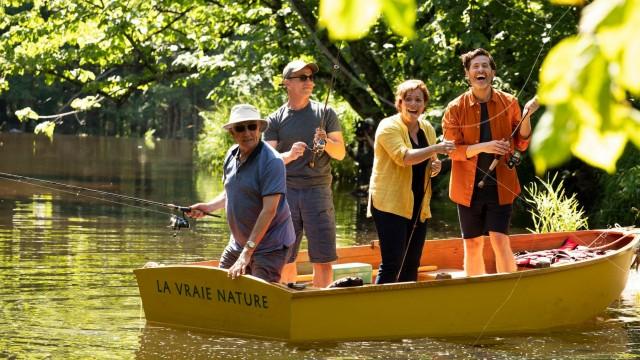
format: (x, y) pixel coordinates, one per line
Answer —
(250, 245)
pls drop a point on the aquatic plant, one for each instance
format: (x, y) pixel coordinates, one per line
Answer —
(551, 209)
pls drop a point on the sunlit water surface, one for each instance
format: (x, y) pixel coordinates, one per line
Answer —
(66, 260)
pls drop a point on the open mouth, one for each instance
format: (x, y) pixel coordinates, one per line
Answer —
(413, 112)
(480, 77)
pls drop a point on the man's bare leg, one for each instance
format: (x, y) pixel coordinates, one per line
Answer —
(289, 273)
(473, 257)
(322, 274)
(505, 260)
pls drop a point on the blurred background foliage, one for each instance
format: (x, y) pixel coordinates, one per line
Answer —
(174, 68)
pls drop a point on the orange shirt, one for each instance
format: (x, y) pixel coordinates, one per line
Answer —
(461, 123)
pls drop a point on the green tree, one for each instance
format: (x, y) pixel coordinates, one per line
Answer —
(116, 50)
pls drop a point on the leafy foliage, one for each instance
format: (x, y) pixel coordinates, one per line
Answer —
(551, 209)
(214, 141)
(157, 64)
(352, 19)
(121, 50)
(588, 112)
(618, 199)
(26, 113)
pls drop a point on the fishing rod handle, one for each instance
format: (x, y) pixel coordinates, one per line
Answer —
(188, 209)
(493, 165)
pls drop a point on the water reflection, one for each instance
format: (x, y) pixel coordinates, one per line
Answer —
(66, 263)
(601, 340)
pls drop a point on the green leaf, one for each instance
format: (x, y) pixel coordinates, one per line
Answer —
(4, 84)
(568, 2)
(89, 33)
(348, 19)
(86, 103)
(556, 75)
(630, 71)
(555, 130)
(608, 147)
(45, 127)
(598, 14)
(401, 16)
(26, 114)
(81, 75)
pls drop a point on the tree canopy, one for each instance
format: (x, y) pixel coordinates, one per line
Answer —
(109, 51)
(158, 64)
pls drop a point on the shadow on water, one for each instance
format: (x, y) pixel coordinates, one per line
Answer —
(66, 264)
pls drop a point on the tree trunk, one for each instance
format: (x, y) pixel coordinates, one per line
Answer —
(348, 83)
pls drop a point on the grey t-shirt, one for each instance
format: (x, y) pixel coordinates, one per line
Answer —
(287, 126)
(262, 174)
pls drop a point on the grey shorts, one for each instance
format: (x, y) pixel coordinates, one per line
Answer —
(312, 212)
(267, 266)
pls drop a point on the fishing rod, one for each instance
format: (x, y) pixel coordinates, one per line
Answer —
(176, 222)
(319, 144)
(413, 229)
(514, 160)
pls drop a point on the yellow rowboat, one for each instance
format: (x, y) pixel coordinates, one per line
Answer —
(201, 296)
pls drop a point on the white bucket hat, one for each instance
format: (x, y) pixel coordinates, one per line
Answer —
(245, 112)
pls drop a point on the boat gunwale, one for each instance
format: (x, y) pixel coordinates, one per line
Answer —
(633, 242)
(525, 273)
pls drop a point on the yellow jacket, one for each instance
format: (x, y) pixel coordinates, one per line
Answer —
(390, 184)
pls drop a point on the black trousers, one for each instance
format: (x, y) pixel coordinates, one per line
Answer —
(394, 232)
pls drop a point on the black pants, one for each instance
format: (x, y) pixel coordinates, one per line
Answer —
(394, 232)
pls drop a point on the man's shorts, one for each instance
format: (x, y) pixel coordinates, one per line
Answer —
(485, 214)
(267, 266)
(312, 212)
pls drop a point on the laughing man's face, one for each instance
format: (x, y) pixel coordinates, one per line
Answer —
(480, 73)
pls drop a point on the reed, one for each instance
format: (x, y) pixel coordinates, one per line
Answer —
(552, 210)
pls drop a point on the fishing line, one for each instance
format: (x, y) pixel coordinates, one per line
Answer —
(177, 222)
(19, 179)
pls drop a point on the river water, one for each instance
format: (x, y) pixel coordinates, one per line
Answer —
(66, 260)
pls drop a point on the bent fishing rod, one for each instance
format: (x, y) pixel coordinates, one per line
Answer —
(177, 222)
(515, 158)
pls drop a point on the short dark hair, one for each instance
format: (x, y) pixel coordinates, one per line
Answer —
(467, 57)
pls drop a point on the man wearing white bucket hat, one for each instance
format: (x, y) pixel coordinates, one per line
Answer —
(293, 128)
(254, 199)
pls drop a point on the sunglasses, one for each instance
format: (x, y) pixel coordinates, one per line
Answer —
(241, 128)
(302, 78)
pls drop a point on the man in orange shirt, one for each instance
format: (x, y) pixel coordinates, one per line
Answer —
(480, 122)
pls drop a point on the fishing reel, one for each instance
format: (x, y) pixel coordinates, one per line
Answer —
(317, 150)
(177, 222)
(515, 159)
(318, 146)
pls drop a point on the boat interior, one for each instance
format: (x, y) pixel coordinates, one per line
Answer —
(443, 258)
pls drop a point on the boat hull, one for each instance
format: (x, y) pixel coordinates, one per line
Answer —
(525, 301)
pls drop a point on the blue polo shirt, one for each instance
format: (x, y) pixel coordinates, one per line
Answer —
(262, 174)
